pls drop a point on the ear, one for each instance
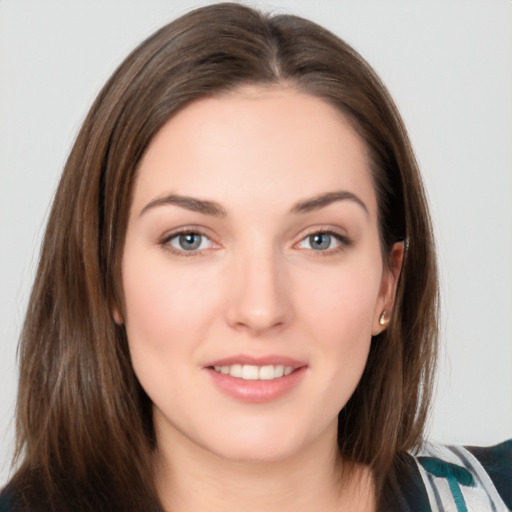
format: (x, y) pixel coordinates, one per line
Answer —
(387, 294)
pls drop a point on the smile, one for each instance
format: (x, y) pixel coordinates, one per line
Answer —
(253, 372)
(256, 379)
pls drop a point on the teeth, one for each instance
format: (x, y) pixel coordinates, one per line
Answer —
(266, 372)
(251, 372)
(236, 370)
(279, 370)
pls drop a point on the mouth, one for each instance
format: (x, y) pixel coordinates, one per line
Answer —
(256, 380)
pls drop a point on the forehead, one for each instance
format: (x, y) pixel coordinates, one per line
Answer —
(268, 144)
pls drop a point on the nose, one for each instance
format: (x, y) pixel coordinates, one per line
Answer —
(259, 298)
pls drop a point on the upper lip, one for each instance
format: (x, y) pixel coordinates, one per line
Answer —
(245, 359)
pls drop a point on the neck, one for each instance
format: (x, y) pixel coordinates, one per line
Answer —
(190, 478)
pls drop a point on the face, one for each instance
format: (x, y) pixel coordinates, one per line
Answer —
(253, 274)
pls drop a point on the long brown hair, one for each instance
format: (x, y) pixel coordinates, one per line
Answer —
(84, 426)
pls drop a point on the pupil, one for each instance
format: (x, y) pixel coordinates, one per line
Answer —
(320, 241)
(190, 241)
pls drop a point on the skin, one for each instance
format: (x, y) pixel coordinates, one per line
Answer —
(258, 286)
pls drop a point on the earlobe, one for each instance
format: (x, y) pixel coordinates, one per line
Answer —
(380, 322)
(388, 289)
(383, 319)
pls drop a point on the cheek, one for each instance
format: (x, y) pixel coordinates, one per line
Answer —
(159, 296)
(167, 311)
(343, 298)
(337, 311)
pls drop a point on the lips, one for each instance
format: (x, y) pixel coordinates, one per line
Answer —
(256, 380)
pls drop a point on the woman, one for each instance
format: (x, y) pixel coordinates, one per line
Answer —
(236, 304)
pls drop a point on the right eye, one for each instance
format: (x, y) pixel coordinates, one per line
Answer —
(188, 242)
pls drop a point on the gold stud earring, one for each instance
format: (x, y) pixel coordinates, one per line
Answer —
(382, 319)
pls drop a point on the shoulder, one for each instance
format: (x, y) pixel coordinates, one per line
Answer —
(497, 462)
(5, 502)
(469, 478)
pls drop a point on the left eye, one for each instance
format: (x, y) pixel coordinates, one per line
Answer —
(189, 242)
(321, 241)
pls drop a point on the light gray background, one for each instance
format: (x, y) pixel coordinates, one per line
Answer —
(448, 64)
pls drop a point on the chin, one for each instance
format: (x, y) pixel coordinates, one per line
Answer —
(258, 452)
(268, 442)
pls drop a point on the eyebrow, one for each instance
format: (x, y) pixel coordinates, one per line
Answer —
(323, 200)
(189, 203)
(213, 208)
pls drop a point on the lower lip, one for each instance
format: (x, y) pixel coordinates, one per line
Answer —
(257, 391)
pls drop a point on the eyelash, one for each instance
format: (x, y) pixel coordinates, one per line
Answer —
(343, 242)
